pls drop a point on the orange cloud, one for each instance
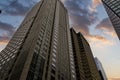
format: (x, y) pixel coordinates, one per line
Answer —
(94, 5)
(112, 34)
(106, 27)
(96, 2)
(114, 78)
(3, 44)
(99, 41)
(108, 31)
(99, 38)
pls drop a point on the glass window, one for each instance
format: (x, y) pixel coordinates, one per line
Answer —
(52, 77)
(54, 59)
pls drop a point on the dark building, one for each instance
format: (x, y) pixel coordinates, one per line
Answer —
(85, 66)
(100, 69)
(41, 47)
(113, 9)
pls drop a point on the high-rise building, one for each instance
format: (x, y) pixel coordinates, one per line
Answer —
(85, 66)
(41, 48)
(100, 69)
(113, 9)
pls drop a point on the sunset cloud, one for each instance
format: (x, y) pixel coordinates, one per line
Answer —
(3, 42)
(6, 33)
(106, 27)
(99, 41)
(114, 78)
(80, 16)
(94, 5)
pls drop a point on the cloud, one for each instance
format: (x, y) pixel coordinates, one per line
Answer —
(3, 43)
(100, 41)
(80, 16)
(7, 31)
(4, 38)
(114, 78)
(15, 7)
(107, 28)
(98, 38)
(105, 24)
(95, 4)
(8, 28)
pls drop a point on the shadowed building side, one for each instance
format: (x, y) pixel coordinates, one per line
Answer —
(84, 61)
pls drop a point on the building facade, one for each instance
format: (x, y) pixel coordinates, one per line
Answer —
(85, 66)
(100, 69)
(113, 9)
(41, 48)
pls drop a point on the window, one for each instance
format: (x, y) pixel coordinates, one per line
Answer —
(53, 71)
(53, 59)
(52, 77)
(54, 51)
(73, 76)
(53, 65)
(54, 55)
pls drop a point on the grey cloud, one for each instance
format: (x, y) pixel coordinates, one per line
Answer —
(82, 18)
(7, 27)
(105, 24)
(80, 15)
(3, 38)
(16, 8)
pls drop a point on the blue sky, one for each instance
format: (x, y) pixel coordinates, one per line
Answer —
(87, 16)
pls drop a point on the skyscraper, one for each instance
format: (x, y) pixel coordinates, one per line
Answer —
(113, 9)
(85, 66)
(100, 69)
(41, 47)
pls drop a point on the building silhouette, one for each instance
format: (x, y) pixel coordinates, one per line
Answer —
(113, 9)
(42, 48)
(85, 66)
(100, 69)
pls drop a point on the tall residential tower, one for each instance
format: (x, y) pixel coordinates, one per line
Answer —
(85, 66)
(113, 9)
(41, 47)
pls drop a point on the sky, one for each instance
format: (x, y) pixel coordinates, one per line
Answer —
(86, 16)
